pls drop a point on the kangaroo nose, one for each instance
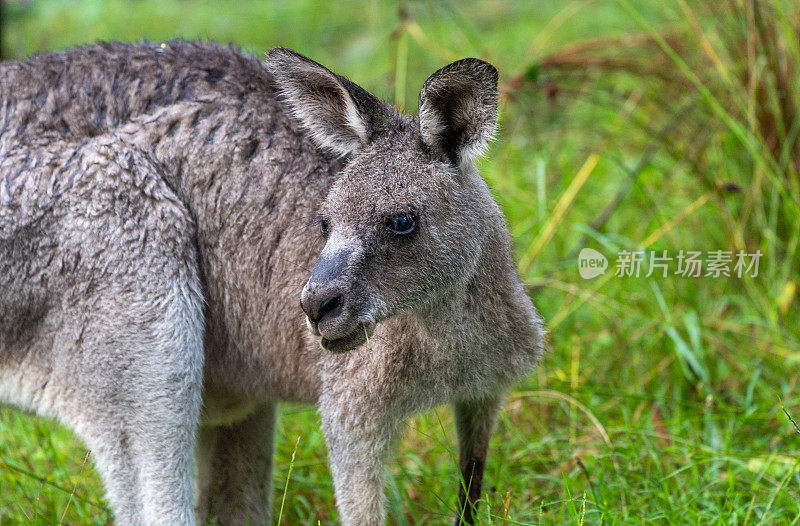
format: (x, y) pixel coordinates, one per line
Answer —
(316, 311)
(329, 305)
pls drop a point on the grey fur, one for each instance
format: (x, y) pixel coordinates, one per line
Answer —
(159, 219)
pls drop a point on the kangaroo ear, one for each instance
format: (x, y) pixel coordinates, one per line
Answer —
(338, 115)
(458, 110)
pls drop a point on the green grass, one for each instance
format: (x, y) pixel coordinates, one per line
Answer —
(662, 400)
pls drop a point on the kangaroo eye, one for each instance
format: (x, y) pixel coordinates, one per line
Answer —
(323, 227)
(401, 224)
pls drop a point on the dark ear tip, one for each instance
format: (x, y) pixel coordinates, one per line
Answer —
(488, 69)
(280, 60)
(479, 70)
(475, 64)
(278, 53)
(472, 62)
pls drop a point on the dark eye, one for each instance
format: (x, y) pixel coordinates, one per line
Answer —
(401, 224)
(323, 227)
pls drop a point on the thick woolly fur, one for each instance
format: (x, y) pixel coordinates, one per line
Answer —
(160, 211)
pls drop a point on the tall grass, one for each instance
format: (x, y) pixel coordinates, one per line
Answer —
(625, 125)
(696, 124)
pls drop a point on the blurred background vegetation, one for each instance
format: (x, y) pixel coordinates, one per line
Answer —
(625, 125)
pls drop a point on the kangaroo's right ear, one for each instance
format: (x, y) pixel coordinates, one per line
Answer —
(458, 110)
(338, 115)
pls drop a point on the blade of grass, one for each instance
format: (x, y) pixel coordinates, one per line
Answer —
(401, 68)
(72, 493)
(704, 42)
(288, 476)
(563, 205)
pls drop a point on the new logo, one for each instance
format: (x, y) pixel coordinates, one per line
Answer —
(591, 263)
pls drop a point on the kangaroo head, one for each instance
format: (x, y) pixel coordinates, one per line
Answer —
(408, 217)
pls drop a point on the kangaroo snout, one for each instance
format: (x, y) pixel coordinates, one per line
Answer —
(333, 310)
(323, 296)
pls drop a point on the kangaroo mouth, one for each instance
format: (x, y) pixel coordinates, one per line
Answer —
(346, 343)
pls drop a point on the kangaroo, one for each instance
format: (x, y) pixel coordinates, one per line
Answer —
(190, 235)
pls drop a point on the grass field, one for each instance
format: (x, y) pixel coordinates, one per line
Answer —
(626, 125)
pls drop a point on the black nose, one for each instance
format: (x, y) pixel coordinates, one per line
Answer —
(316, 312)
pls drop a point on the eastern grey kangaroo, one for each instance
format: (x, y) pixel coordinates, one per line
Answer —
(161, 209)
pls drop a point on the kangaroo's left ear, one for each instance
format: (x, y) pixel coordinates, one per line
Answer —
(337, 114)
(458, 110)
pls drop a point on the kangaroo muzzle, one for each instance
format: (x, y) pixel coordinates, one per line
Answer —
(332, 305)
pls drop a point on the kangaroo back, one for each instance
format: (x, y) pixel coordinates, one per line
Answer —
(87, 91)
